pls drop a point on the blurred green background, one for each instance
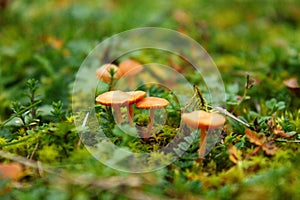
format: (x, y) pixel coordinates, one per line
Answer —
(48, 40)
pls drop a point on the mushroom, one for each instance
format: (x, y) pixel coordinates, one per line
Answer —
(292, 85)
(135, 97)
(12, 171)
(129, 68)
(103, 73)
(203, 120)
(115, 99)
(151, 103)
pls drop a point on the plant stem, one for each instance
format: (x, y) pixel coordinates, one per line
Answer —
(202, 100)
(33, 108)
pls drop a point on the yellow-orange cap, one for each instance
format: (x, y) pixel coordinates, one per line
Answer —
(136, 95)
(203, 119)
(115, 97)
(130, 67)
(152, 102)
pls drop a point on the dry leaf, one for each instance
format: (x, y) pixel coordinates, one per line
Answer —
(269, 148)
(254, 137)
(277, 130)
(12, 171)
(292, 85)
(280, 133)
(234, 154)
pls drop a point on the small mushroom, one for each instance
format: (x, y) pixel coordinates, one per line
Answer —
(12, 171)
(292, 85)
(135, 97)
(115, 99)
(203, 120)
(103, 72)
(151, 103)
(129, 68)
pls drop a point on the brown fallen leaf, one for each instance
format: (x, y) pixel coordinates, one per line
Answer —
(280, 133)
(254, 137)
(234, 154)
(292, 85)
(269, 148)
(12, 171)
(276, 129)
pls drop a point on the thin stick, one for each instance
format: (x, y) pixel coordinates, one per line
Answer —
(203, 102)
(290, 141)
(228, 114)
(24, 161)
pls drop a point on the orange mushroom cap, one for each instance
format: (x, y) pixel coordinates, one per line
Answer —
(202, 119)
(152, 102)
(130, 67)
(136, 95)
(103, 72)
(11, 170)
(115, 97)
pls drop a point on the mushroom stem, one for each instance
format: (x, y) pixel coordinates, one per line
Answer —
(130, 113)
(118, 113)
(151, 120)
(202, 145)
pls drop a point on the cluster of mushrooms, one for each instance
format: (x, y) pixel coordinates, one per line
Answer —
(116, 99)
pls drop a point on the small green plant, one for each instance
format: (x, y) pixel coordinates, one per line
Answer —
(57, 111)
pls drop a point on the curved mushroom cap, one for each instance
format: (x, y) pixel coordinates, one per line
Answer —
(152, 102)
(291, 83)
(103, 72)
(116, 97)
(130, 67)
(202, 119)
(136, 95)
(11, 170)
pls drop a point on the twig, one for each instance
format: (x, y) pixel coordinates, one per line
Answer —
(34, 150)
(22, 160)
(82, 179)
(291, 141)
(228, 114)
(40, 168)
(202, 100)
